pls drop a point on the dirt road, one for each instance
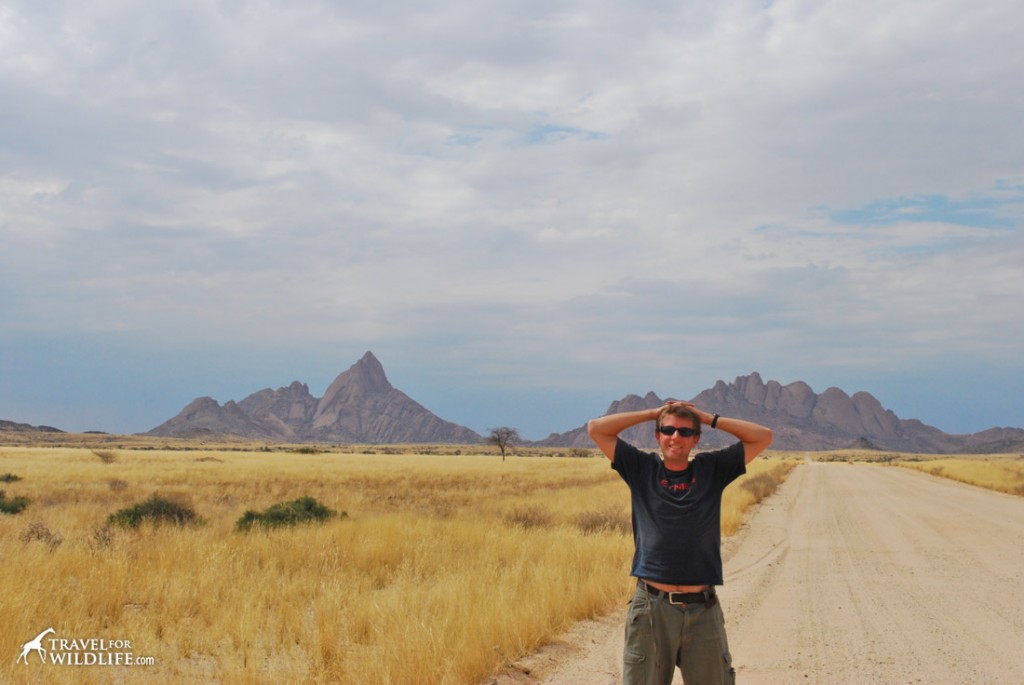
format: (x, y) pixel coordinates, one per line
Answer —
(853, 574)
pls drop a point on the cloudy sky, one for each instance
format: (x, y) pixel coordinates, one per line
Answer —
(525, 210)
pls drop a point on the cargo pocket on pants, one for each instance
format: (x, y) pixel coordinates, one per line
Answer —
(639, 637)
(634, 667)
(730, 672)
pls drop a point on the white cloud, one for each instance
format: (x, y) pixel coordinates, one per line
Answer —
(506, 184)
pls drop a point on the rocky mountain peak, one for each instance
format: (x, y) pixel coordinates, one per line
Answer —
(360, 405)
(364, 378)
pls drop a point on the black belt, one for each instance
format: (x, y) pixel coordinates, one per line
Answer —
(706, 597)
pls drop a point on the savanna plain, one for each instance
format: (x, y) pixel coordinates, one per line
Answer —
(440, 564)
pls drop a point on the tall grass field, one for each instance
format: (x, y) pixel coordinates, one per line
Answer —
(1004, 474)
(428, 569)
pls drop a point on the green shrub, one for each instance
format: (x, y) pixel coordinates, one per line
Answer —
(9, 478)
(157, 510)
(302, 510)
(14, 505)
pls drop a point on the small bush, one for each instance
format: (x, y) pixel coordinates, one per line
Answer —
(15, 505)
(9, 478)
(37, 532)
(612, 520)
(102, 537)
(157, 510)
(760, 486)
(529, 518)
(302, 510)
(106, 456)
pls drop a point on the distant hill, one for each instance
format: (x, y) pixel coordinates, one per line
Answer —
(360, 406)
(11, 426)
(804, 420)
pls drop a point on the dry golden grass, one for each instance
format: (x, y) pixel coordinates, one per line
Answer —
(445, 568)
(1005, 473)
(763, 477)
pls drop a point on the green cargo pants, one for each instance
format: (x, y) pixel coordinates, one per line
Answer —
(661, 636)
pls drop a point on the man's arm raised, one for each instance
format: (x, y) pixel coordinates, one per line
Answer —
(755, 437)
(604, 430)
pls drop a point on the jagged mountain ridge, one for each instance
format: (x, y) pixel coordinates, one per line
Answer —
(360, 406)
(804, 420)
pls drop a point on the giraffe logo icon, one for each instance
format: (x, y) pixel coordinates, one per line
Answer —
(35, 644)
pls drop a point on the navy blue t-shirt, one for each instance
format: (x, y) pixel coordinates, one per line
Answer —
(677, 514)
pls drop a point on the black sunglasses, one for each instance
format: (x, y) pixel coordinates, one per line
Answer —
(684, 431)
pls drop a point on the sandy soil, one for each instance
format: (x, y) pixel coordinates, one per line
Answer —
(850, 574)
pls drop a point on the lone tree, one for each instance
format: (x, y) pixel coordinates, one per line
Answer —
(504, 437)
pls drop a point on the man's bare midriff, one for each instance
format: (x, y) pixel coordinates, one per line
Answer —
(676, 588)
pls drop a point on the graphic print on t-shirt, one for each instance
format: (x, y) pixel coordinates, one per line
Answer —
(681, 483)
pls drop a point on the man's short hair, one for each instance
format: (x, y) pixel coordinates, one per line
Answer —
(681, 411)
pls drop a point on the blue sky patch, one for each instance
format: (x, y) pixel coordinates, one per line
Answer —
(549, 133)
(977, 212)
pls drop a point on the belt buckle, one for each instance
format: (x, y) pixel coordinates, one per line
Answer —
(676, 598)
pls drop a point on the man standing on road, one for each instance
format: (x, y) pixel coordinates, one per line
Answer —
(674, 618)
